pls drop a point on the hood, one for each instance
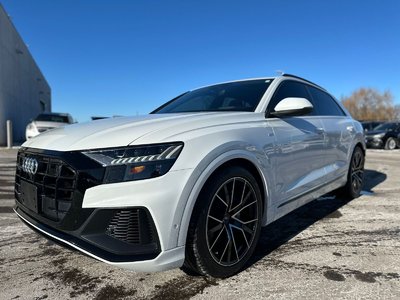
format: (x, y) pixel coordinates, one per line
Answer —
(48, 124)
(374, 132)
(123, 131)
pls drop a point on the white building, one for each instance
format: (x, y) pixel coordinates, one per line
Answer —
(24, 92)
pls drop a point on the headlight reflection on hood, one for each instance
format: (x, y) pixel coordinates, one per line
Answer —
(379, 135)
(137, 162)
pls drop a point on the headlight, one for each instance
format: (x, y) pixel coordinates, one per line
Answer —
(379, 136)
(137, 162)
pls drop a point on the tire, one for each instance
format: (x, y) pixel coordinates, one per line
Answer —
(225, 225)
(355, 176)
(390, 144)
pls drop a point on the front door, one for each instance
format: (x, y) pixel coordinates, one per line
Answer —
(298, 159)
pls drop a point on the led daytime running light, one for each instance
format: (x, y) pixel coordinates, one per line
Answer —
(134, 155)
(167, 154)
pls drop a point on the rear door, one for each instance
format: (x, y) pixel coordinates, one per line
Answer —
(339, 131)
(298, 159)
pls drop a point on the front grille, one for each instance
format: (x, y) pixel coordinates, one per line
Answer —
(55, 181)
(132, 226)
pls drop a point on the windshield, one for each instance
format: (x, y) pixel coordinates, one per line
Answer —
(233, 96)
(385, 127)
(52, 118)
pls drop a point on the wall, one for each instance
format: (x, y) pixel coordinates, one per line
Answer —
(24, 92)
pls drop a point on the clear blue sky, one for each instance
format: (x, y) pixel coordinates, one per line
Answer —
(127, 57)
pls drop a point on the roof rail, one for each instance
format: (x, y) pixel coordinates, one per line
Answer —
(298, 77)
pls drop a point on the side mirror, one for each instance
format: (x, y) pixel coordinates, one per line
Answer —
(292, 107)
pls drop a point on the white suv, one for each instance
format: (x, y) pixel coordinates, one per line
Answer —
(46, 121)
(191, 184)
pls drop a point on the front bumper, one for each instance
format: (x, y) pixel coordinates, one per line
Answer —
(164, 261)
(94, 235)
(374, 143)
(132, 225)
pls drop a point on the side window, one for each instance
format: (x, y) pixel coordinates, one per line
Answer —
(287, 89)
(324, 103)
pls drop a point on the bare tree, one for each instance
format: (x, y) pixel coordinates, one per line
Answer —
(397, 112)
(368, 104)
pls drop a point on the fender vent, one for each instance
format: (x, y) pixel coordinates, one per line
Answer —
(133, 226)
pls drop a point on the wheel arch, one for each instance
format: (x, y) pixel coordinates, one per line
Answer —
(234, 158)
(359, 144)
(249, 166)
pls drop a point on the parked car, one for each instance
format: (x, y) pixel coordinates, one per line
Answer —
(386, 135)
(370, 125)
(191, 184)
(46, 121)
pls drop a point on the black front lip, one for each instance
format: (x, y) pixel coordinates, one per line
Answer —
(93, 243)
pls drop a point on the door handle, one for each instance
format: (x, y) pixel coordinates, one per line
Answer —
(319, 130)
(350, 129)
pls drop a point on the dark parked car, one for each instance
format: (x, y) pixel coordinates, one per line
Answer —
(386, 135)
(370, 125)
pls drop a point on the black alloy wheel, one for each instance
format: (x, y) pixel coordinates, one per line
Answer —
(357, 171)
(231, 221)
(355, 176)
(226, 224)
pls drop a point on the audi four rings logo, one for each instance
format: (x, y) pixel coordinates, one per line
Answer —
(30, 165)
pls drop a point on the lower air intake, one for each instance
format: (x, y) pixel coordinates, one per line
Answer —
(133, 226)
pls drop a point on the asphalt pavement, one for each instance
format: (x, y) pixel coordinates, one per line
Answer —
(330, 248)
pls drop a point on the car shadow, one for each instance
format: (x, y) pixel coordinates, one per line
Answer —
(287, 227)
(372, 179)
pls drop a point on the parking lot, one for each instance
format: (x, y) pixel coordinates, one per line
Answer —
(328, 249)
